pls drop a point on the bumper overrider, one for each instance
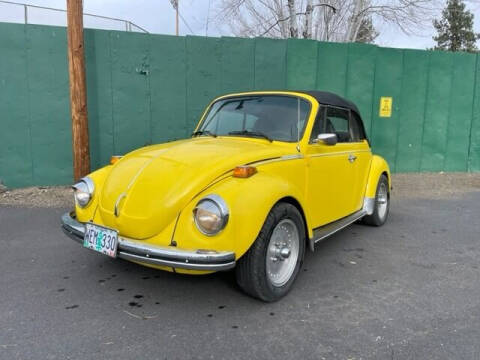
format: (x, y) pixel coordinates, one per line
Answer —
(134, 250)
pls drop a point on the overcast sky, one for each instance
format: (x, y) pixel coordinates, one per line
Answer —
(158, 16)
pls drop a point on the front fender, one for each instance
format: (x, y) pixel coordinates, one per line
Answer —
(377, 168)
(87, 213)
(249, 201)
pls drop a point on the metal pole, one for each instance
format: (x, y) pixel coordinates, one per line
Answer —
(25, 11)
(78, 89)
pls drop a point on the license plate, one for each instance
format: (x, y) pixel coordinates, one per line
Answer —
(101, 239)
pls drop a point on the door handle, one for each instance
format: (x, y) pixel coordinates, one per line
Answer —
(352, 158)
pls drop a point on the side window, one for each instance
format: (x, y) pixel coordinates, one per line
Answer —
(356, 128)
(319, 125)
(336, 122)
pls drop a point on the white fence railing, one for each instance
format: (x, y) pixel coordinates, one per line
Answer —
(34, 14)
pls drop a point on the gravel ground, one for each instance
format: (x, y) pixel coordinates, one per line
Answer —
(435, 185)
(411, 185)
(45, 197)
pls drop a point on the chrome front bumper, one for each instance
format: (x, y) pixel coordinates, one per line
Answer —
(135, 250)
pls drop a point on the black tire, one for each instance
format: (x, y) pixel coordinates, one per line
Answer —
(251, 268)
(376, 219)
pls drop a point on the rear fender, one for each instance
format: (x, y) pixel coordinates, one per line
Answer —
(378, 167)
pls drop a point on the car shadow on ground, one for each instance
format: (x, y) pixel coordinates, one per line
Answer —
(148, 287)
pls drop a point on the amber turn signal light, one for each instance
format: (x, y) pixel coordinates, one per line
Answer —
(244, 171)
(114, 159)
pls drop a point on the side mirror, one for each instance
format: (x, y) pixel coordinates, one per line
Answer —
(327, 139)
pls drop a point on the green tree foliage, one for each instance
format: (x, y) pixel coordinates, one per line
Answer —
(455, 28)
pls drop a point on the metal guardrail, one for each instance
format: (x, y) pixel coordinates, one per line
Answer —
(128, 24)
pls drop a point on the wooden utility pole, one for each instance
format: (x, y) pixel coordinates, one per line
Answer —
(78, 89)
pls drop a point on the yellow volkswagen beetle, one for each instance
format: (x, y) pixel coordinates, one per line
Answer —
(264, 175)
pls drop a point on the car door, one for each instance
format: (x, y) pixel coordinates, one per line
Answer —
(331, 173)
(362, 157)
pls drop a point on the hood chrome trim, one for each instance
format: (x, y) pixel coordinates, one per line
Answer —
(116, 210)
(123, 194)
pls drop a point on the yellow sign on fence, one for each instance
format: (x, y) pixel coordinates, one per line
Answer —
(385, 106)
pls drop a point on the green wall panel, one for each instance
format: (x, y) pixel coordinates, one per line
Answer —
(131, 94)
(203, 76)
(145, 88)
(49, 104)
(413, 95)
(460, 112)
(237, 64)
(168, 87)
(15, 145)
(388, 82)
(301, 64)
(474, 150)
(332, 67)
(360, 79)
(434, 141)
(99, 96)
(270, 64)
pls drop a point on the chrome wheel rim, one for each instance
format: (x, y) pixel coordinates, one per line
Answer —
(382, 201)
(282, 252)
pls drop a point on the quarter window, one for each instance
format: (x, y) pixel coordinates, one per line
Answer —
(356, 128)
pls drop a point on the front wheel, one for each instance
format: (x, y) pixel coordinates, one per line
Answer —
(269, 268)
(382, 204)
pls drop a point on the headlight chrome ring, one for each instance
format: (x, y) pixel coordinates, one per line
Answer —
(83, 191)
(211, 215)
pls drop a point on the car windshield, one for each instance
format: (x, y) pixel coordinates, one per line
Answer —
(273, 117)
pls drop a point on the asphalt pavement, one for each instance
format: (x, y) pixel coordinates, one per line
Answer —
(407, 290)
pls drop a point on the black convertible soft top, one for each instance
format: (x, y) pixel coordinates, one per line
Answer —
(328, 98)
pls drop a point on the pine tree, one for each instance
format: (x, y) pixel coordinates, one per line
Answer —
(455, 28)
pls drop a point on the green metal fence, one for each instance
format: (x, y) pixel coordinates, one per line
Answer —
(145, 88)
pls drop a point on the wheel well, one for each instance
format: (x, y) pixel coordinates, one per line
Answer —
(292, 201)
(388, 179)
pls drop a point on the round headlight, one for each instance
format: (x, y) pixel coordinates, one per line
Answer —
(83, 191)
(211, 215)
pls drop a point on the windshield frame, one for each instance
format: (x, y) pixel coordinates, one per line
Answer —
(259, 94)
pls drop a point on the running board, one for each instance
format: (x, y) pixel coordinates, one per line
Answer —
(325, 231)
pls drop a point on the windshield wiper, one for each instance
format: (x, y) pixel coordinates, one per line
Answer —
(250, 133)
(204, 132)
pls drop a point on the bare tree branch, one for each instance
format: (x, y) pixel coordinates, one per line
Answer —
(330, 20)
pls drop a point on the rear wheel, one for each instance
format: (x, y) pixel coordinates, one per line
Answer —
(268, 269)
(382, 204)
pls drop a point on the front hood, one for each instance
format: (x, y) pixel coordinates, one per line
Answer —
(153, 184)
